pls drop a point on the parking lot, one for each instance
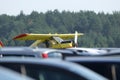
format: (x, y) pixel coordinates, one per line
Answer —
(61, 64)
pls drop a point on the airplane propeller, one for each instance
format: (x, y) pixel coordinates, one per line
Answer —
(75, 39)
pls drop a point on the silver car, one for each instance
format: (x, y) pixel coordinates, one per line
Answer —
(29, 52)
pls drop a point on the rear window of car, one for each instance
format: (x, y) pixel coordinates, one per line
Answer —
(43, 72)
(15, 55)
(108, 70)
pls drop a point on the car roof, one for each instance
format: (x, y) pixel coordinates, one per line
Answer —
(94, 59)
(112, 52)
(44, 49)
(23, 50)
(82, 48)
(14, 51)
(78, 69)
(66, 51)
(89, 50)
(15, 48)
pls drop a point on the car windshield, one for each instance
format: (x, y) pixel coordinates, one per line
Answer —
(49, 75)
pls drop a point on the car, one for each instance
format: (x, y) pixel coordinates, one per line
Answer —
(48, 52)
(7, 74)
(81, 52)
(29, 52)
(107, 66)
(112, 52)
(88, 51)
(49, 69)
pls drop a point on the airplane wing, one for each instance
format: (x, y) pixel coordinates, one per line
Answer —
(39, 38)
(28, 36)
(42, 37)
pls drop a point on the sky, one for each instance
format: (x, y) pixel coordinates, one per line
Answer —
(13, 7)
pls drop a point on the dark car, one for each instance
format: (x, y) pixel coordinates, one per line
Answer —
(106, 66)
(49, 69)
(29, 52)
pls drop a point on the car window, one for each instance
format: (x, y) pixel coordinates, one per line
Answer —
(55, 54)
(8, 74)
(116, 71)
(16, 55)
(80, 51)
(101, 68)
(109, 70)
(51, 73)
(44, 72)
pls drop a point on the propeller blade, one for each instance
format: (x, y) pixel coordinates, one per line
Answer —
(75, 38)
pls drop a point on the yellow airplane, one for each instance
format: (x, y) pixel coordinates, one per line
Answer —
(51, 40)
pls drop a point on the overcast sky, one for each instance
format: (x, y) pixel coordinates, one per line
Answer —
(13, 7)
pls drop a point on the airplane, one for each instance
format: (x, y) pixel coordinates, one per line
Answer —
(51, 40)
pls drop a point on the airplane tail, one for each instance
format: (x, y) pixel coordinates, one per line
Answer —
(1, 44)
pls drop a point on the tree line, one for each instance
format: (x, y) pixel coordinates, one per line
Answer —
(100, 29)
